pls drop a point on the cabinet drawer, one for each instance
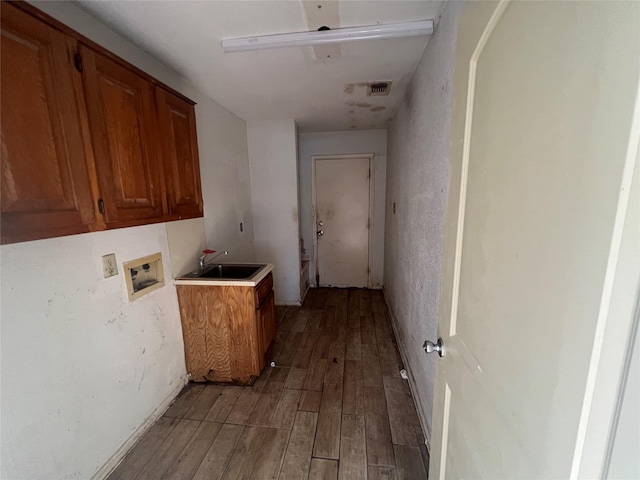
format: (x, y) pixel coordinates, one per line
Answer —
(264, 289)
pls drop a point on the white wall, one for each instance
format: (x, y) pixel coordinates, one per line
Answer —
(186, 239)
(417, 182)
(226, 184)
(337, 143)
(274, 195)
(82, 368)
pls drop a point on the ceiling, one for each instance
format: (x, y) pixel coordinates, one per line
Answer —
(323, 88)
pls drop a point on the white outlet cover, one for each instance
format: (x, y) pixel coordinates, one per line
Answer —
(109, 265)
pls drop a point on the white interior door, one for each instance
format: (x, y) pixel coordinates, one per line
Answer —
(547, 91)
(342, 221)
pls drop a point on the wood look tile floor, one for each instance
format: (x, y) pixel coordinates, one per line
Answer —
(334, 407)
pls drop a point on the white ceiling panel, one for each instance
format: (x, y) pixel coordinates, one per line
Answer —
(322, 88)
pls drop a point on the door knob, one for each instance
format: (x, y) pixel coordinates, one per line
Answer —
(430, 347)
(320, 233)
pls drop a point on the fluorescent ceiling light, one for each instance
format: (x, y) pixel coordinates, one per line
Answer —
(324, 37)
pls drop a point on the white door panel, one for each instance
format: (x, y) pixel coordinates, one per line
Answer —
(342, 209)
(552, 87)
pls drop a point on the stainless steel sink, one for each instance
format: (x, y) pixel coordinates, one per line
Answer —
(225, 271)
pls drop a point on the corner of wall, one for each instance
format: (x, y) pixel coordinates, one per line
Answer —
(274, 194)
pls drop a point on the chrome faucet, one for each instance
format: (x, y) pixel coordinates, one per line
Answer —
(210, 252)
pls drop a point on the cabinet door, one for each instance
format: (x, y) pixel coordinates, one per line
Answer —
(121, 110)
(193, 303)
(261, 337)
(180, 152)
(267, 325)
(45, 184)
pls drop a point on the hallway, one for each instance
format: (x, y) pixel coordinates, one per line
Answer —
(334, 406)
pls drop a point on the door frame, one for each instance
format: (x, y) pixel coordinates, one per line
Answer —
(314, 158)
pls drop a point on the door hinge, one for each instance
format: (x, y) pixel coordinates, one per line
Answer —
(101, 205)
(77, 61)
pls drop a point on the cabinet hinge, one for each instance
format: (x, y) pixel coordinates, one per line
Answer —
(101, 206)
(77, 61)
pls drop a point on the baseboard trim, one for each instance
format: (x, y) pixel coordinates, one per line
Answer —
(117, 457)
(285, 303)
(412, 382)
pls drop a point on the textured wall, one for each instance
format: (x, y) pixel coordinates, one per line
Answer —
(344, 143)
(417, 182)
(83, 368)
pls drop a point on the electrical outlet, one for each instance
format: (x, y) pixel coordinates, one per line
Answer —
(109, 265)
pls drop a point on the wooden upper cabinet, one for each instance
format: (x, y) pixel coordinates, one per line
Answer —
(44, 183)
(122, 121)
(89, 141)
(177, 119)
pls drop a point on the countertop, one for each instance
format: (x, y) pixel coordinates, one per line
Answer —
(213, 282)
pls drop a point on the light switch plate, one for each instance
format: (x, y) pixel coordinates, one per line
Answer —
(109, 265)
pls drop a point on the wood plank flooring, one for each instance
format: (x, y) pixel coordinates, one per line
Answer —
(334, 407)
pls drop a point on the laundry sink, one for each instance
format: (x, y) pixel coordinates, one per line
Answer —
(229, 271)
(226, 273)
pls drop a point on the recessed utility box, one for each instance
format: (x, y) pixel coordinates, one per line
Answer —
(143, 275)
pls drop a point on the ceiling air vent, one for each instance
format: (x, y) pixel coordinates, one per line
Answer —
(378, 89)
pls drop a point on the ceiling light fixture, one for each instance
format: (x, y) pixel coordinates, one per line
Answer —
(324, 37)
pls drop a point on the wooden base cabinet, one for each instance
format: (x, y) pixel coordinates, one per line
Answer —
(229, 332)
